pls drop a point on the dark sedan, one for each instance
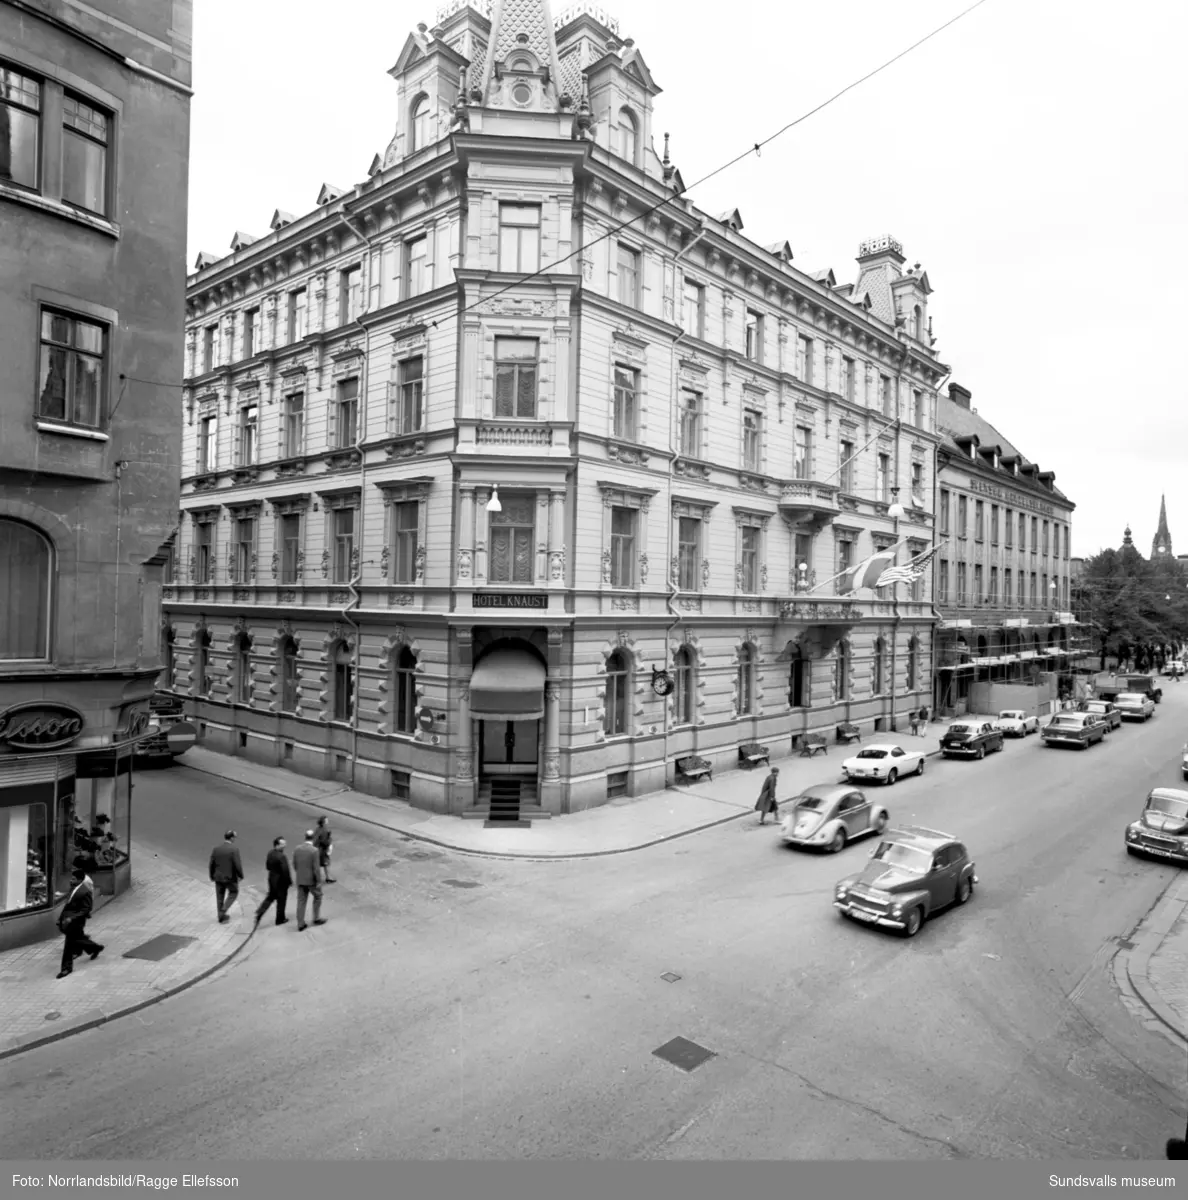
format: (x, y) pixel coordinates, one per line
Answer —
(1104, 709)
(971, 739)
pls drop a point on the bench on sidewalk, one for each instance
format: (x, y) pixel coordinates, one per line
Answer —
(752, 754)
(693, 767)
(811, 743)
(847, 733)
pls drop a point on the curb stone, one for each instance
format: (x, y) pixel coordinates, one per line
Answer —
(1162, 918)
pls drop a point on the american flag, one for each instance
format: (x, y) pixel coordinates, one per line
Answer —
(910, 571)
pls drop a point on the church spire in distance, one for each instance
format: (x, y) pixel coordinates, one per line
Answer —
(1161, 545)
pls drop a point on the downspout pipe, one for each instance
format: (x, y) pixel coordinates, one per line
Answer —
(360, 437)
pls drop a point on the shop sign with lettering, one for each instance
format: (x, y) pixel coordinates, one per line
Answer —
(40, 725)
(511, 600)
(1010, 497)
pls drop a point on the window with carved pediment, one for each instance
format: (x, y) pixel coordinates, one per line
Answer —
(841, 671)
(418, 124)
(512, 540)
(288, 655)
(242, 668)
(342, 658)
(626, 418)
(516, 377)
(745, 681)
(616, 710)
(243, 553)
(404, 692)
(684, 694)
(690, 423)
(879, 668)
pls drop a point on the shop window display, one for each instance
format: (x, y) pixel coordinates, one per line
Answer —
(24, 862)
(100, 819)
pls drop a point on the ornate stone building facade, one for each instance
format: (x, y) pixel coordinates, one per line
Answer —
(487, 453)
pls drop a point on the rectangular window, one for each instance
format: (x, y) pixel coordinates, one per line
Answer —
(979, 520)
(627, 266)
(626, 403)
(1045, 539)
(994, 524)
(749, 557)
(690, 424)
(1022, 532)
(979, 592)
(888, 395)
(20, 128)
(343, 554)
(1007, 581)
(512, 541)
(993, 585)
(346, 413)
(519, 238)
(1020, 589)
(802, 462)
(918, 409)
(943, 515)
(406, 518)
(73, 368)
(1034, 534)
(624, 526)
(293, 429)
(248, 428)
(754, 336)
(1008, 528)
(688, 553)
(245, 549)
(693, 309)
(210, 342)
(805, 346)
(942, 581)
(804, 557)
(416, 275)
(515, 377)
(251, 320)
(207, 453)
(883, 477)
(1046, 594)
(297, 315)
(290, 547)
(204, 552)
(918, 484)
(962, 579)
(410, 396)
(845, 553)
(962, 516)
(846, 466)
(753, 440)
(350, 294)
(1033, 588)
(849, 378)
(85, 133)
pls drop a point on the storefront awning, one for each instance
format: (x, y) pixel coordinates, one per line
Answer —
(507, 685)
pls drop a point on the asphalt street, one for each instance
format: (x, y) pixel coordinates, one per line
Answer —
(459, 1007)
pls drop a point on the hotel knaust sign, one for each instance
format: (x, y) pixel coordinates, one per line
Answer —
(1008, 496)
(511, 599)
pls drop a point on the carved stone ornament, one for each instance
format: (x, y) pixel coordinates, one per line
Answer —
(325, 563)
(705, 572)
(464, 561)
(463, 764)
(385, 561)
(510, 306)
(606, 566)
(763, 576)
(419, 564)
(552, 766)
(643, 568)
(557, 564)
(625, 603)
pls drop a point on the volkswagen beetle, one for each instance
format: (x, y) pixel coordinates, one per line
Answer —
(828, 815)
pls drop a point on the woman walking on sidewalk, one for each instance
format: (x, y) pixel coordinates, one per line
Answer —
(767, 802)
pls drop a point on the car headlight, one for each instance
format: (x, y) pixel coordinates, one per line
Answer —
(1132, 831)
(896, 910)
(842, 893)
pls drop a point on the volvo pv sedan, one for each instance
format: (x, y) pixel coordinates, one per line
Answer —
(884, 763)
(912, 874)
(1106, 709)
(1016, 723)
(1162, 830)
(1134, 706)
(828, 815)
(971, 739)
(1081, 730)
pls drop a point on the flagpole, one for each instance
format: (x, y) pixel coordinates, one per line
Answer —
(855, 566)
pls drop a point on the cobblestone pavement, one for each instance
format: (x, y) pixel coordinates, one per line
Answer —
(164, 898)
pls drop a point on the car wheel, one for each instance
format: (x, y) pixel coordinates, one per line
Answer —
(920, 768)
(892, 776)
(964, 891)
(839, 842)
(981, 752)
(913, 921)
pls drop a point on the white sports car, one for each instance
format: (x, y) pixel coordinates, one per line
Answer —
(1016, 722)
(884, 762)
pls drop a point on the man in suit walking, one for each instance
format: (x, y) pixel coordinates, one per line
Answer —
(308, 870)
(226, 870)
(72, 921)
(767, 803)
(280, 879)
(323, 840)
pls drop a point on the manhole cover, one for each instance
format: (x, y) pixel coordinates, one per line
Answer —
(52, 1016)
(670, 977)
(461, 883)
(387, 862)
(162, 946)
(682, 1053)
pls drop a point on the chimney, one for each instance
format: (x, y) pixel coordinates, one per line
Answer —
(960, 395)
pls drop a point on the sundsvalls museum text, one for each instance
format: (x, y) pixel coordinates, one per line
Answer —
(156, 1183)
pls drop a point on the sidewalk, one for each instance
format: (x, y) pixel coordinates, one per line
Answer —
(631, 823)
(1157, 966)
(166, 906)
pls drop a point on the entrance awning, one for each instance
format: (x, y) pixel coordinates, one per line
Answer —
(507, 685)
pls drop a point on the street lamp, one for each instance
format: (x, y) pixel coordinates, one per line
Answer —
(896, 510)
(493, 504)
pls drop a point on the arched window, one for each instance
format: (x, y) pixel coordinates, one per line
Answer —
(841, 672)
(418, 125)
(686, 682)
(746, 680)
(200, 668)
(798, 681)
(404, 686)
(168, 635)
(26, 583)
(880, 667)
(913, 664)
(287, 654)
(242, 669)
(628, 136)
(343, 697)
(614, 721)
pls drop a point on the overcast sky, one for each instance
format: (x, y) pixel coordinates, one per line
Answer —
(1030, 157)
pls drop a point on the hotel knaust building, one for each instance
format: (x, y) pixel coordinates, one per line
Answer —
(509, 473)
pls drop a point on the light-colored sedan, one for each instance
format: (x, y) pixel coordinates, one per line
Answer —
(828, 815)
(1016, 722)
(883, 762)
(1134, 706)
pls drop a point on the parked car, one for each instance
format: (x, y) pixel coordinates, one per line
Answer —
(1016, 722)
(913, 873)
(1134, 706)
(1106, 709)
(169, 734)
(884, 762)
(1162, 829)
(1075, 729)
(971, 739)
(828, 815)
(1173, 666)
